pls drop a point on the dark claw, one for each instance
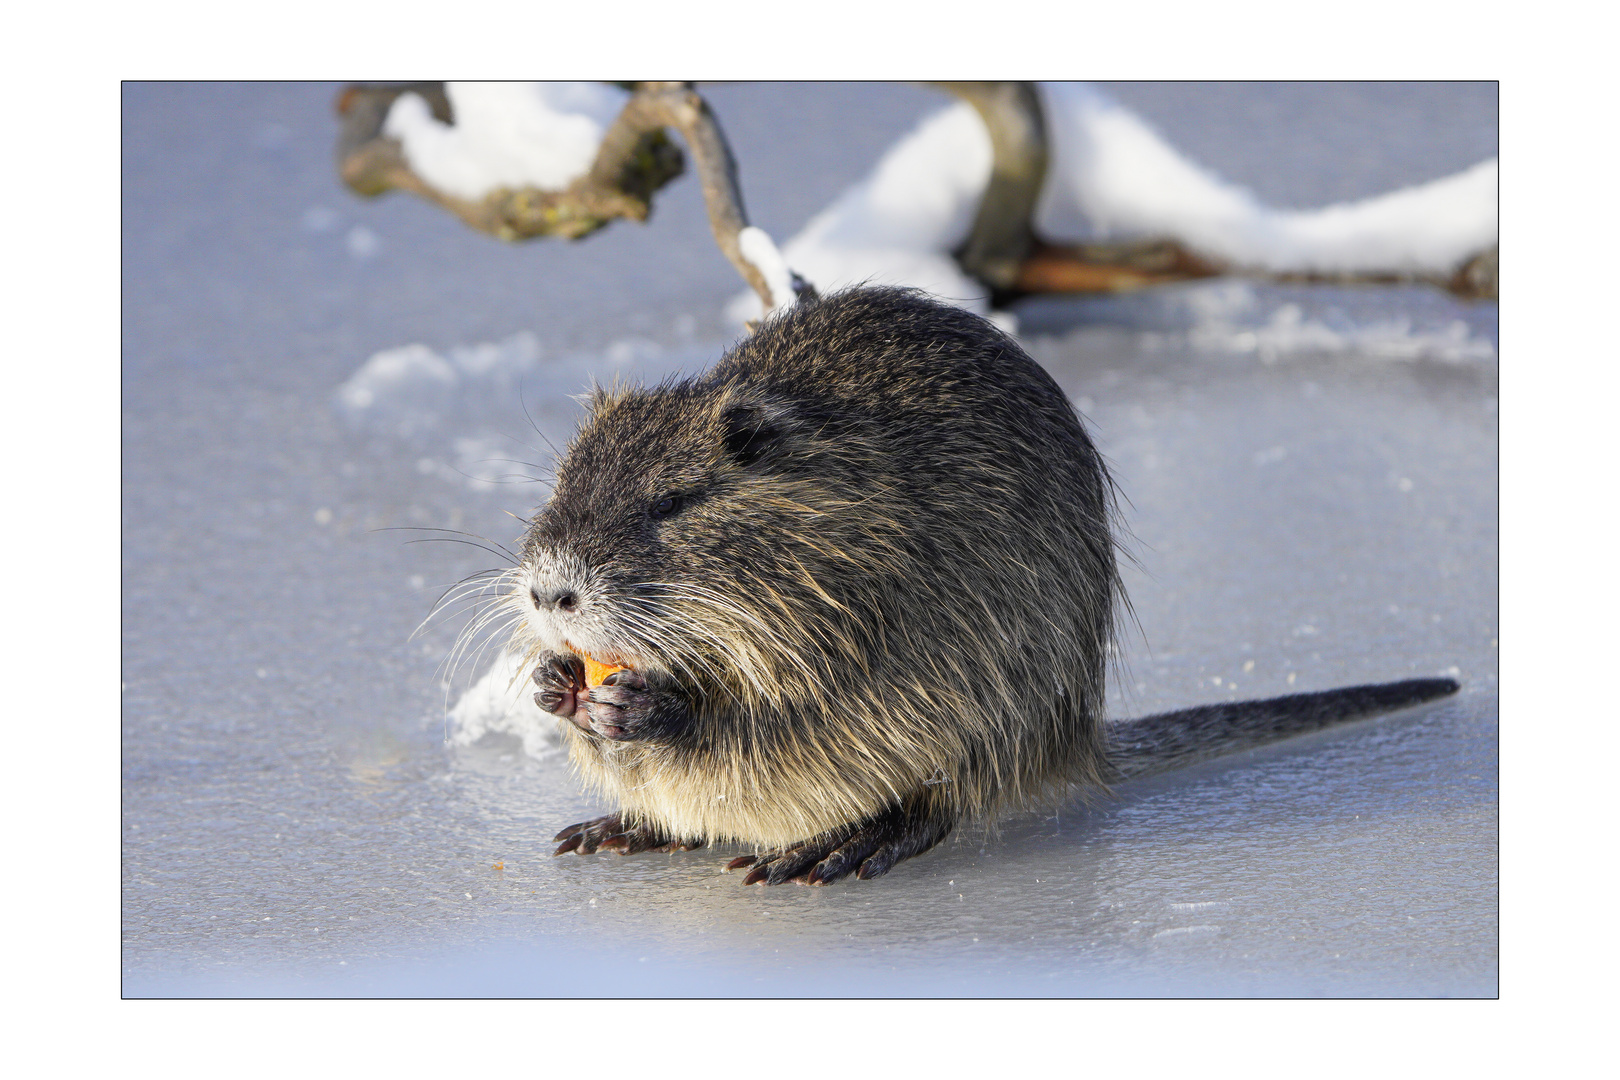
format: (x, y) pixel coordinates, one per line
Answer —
(741, 861)
(561, 678)
(603, 834)
(839, 864)
(632, 680)
(875, 867)
(611, 834)
(796, 863)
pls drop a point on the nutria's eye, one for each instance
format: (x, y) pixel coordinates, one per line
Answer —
(668, 505)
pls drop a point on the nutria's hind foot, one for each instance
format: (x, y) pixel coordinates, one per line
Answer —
(612, 834)
(867, 850)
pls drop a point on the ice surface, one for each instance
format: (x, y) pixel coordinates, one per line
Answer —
(505, 134)
(296, 821)
(1112, 176)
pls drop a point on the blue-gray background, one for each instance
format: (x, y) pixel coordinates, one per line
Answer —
(293, 821)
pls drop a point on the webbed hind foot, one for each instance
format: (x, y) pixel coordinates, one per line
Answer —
(869, 849)
(610, 833)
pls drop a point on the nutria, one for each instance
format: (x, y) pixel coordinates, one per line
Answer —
(861, 578)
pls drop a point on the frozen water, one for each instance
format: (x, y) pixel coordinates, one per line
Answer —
(301, 816)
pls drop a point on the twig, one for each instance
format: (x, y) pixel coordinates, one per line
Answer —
(677, 105)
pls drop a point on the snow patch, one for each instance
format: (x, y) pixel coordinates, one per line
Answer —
(1273, 322)
(407, 389)
(1182, 931)
(411, 387)
(1288, 331)
(506, 134)
(362, 242)
(502, 703)
(1113, 177)
(481, 463)
(1229, 317)
(758, 248)
(403, 387)
(499, 361)
(469, 414)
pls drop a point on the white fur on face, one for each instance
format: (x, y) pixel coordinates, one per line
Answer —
(592, 627)
(545, 574)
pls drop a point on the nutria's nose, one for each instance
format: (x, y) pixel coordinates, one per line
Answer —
(562, 598)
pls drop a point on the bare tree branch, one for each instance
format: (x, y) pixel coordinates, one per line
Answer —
(1124, 267)
(1476, 278)
(1108, 267)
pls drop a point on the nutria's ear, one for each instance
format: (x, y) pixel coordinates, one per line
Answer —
(749, 432)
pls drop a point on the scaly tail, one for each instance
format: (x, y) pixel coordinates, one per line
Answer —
(1155, 744)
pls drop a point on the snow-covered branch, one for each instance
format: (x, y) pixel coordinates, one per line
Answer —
(1118, 208)
(511, 164)
(677, 105)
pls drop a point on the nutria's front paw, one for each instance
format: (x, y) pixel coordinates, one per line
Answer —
(611, 834)
(561, 678)
(623, 707)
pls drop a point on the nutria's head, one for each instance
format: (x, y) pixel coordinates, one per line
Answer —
(690, 524)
